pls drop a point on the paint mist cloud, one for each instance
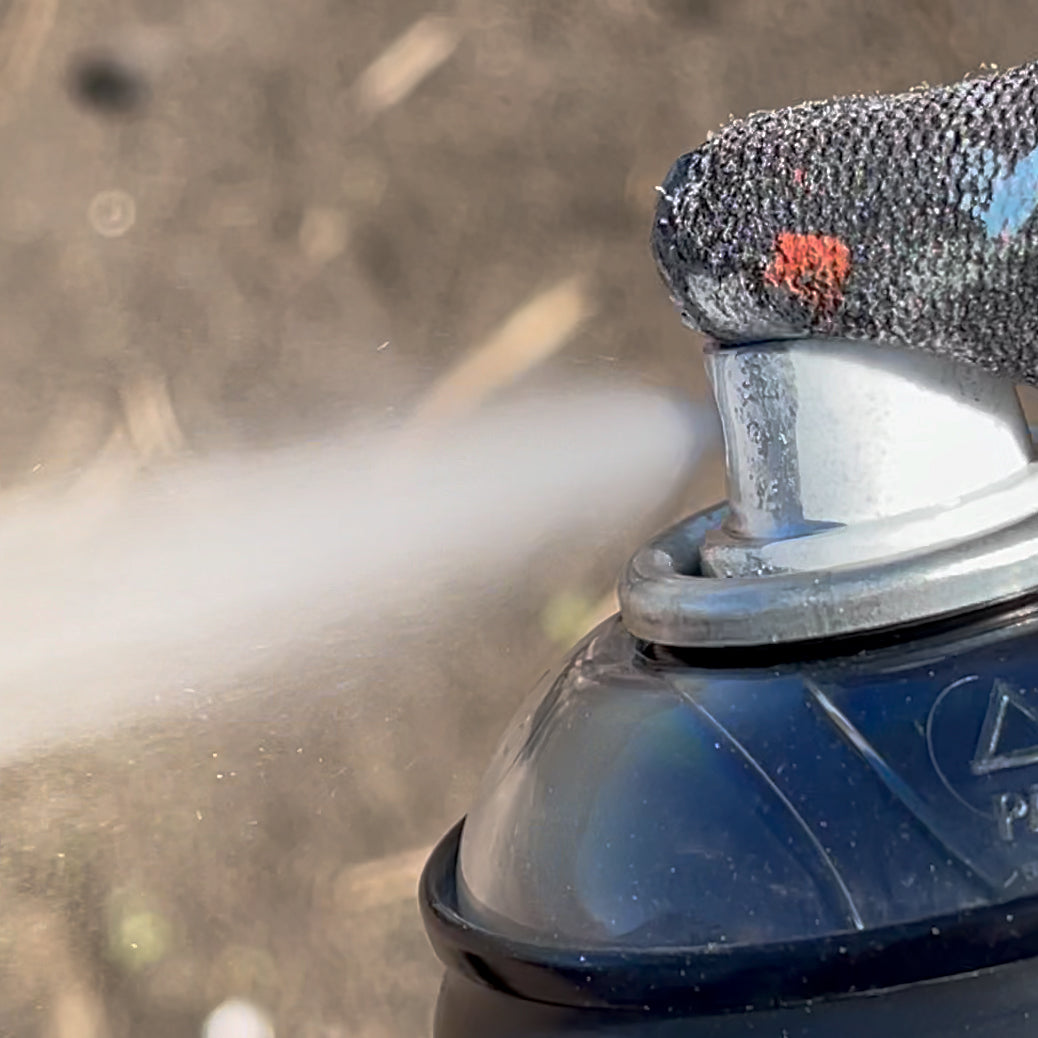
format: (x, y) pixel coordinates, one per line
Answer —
(114, 603)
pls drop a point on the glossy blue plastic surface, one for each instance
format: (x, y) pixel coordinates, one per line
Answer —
(641, 801)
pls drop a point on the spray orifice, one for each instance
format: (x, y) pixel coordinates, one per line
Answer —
(792, 788)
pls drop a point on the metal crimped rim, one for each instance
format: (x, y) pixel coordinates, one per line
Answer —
(665, 599)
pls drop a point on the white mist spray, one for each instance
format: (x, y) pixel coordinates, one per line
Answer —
(107, 606)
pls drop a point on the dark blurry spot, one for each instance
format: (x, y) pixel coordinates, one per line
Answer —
(286, 220)
(107, 84)
(546, 24)
(379, 259)
(280, 115)
(696, 11)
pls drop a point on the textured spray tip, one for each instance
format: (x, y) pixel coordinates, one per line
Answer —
(906, 220)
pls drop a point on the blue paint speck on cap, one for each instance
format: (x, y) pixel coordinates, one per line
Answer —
(1013, 197)
(981, 168)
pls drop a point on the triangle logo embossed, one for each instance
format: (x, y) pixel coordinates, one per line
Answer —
(1009, 734)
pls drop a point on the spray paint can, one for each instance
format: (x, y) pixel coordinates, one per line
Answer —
(791, 789)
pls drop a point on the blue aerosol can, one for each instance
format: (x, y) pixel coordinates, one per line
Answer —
(791, 789)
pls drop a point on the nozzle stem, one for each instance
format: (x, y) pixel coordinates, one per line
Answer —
(821, 434)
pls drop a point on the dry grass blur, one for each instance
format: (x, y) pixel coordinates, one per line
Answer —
(272, 215)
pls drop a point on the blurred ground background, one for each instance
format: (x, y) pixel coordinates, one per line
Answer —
(228, 224)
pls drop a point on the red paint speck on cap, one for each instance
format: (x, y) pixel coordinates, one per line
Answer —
(812, 267)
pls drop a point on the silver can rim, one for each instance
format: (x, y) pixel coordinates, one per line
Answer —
(666, 599)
